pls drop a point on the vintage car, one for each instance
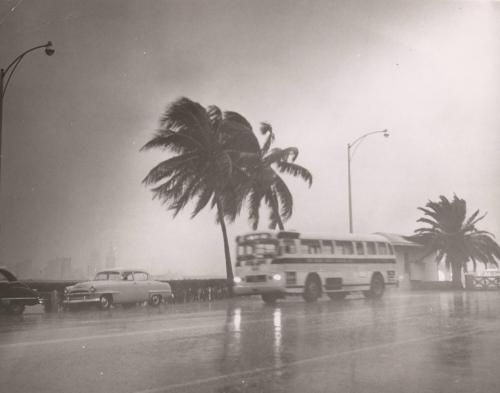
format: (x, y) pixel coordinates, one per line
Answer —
(118, 286)
(14, 295)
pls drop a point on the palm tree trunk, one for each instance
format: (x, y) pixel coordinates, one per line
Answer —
(227, 254)
(456, 275)
(276, 209)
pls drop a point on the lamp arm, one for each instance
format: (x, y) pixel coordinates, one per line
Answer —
(24, 54)
(358, 141)
(364, 136)
(15, 63)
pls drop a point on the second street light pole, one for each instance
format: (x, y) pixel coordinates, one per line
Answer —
(354, 144)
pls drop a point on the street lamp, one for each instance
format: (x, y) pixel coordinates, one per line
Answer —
(6, 76)
(351, 145)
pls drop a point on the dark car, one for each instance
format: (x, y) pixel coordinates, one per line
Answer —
(14, 295)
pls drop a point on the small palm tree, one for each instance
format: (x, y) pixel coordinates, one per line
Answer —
(263, 183)
(454, 237)
(205, 143)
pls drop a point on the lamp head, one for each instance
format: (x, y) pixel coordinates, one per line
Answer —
(49, 50)
(386, 133)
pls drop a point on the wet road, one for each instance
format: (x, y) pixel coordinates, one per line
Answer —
(405, 342)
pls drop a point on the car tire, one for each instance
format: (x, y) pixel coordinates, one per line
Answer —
(105, 302)
(155, 300)
(16, 308)
(377, 287)
(312, 290)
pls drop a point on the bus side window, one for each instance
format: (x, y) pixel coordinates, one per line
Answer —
(346, 248)
(360, 248)
(382, 248)
(391, 250)
(328, 247)
(304, 247)
(310, 247)
(314, 248)
(288, 247)
(370, 248)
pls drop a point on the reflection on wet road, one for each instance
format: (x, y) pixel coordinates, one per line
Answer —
(411, 342)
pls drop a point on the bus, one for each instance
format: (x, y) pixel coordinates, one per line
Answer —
(275, 264)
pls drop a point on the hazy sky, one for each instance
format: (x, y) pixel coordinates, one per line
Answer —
(322, 72)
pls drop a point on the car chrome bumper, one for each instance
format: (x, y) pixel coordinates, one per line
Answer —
(79, 300)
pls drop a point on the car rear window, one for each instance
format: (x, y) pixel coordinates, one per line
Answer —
(140, 276)
(115, 276)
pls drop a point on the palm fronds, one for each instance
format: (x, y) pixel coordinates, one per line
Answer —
(453, 236)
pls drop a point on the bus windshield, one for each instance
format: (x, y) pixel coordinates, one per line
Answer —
(254, 249)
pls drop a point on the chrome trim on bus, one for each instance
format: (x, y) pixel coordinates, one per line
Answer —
(282, 261)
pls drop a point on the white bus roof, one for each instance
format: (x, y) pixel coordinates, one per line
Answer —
(345, 236)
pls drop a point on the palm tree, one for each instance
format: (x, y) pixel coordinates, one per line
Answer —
(454, 237)
(263, 183)
(205, 144)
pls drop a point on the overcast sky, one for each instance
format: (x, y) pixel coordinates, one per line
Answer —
(321, 72)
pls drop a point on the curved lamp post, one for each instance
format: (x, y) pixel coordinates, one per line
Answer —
(350, 155)
(6, 76)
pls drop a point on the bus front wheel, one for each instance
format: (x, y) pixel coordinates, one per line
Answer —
(312, 290)
(377, 287)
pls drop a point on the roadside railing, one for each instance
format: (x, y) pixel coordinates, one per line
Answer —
(473, 282)
(198, 290)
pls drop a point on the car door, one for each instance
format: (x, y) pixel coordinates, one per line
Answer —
(127, 288)
(141, 280)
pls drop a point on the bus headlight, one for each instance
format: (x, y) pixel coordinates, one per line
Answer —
(237, 280)
(276, 277)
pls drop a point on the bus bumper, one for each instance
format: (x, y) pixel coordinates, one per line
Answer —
(245, 289)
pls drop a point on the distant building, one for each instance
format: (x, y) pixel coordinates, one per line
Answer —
(110, 261)
(95, 263)
(58, 269)
(24, 269)
(412, 264)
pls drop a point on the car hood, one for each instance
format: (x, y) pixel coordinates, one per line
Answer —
(87, 285)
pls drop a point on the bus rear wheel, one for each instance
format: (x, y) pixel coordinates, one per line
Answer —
(312, 290)
(377, 287)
